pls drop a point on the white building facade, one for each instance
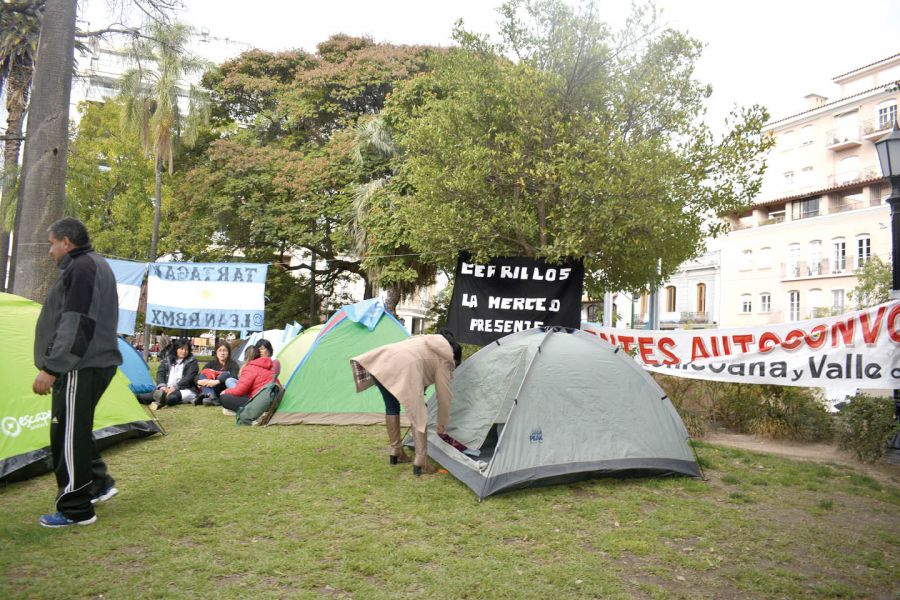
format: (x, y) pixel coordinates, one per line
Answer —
(821, 213)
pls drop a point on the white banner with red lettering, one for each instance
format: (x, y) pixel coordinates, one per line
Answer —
(858, 350)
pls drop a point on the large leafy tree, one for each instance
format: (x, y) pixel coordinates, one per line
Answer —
(281, 178)
(20, 27)
(589, 144)
(110, 182)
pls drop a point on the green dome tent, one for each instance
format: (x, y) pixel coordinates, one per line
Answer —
(294, 351)
(554, 405)
(25, 417)
(321, 391)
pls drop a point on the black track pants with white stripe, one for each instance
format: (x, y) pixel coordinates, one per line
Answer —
(80, 472)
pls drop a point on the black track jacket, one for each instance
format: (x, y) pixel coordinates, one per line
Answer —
(77, 325)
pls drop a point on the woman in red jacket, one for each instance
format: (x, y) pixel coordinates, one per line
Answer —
(257, 372)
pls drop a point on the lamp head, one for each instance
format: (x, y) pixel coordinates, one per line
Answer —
(888, 149)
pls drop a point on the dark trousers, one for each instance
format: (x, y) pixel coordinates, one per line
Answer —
(170, 400)
(80, 472)
(391, 404)
(233, 402)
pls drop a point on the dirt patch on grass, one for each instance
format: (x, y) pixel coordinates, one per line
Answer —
(825, 453)
(327, 590)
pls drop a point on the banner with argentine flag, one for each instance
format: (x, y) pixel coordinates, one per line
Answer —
(129, 277)
(207, 295)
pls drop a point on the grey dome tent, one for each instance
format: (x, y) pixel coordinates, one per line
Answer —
(554, 405)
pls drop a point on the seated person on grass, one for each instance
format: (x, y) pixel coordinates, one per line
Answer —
(265, 349)
(257, 372)
(215, 373)
(175, 378)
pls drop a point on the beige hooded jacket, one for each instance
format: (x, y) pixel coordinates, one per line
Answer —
(405, 369)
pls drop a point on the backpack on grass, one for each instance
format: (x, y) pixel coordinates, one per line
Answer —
(261, 406)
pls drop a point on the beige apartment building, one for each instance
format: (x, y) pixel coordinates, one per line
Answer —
(821, 212)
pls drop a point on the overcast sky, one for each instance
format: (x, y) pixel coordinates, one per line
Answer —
(771, 52)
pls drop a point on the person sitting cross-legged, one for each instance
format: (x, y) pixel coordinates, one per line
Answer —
(255, 374)
(175, 378)
(212, 378)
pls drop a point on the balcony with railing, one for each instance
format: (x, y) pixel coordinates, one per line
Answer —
(839, 205)
(848, 177)
(822, 268)
(873, 129)
(843, 138)
(673, 319)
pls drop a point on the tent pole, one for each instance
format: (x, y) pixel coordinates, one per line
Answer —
(487, 472)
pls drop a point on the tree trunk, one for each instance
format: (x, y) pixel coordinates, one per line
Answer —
(154, 243)
(392, 299)
(17, 85)
(157, 213)
(43, 185)
(313, 313)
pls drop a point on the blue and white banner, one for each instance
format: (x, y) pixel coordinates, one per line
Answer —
(207, 295)
(129, 277)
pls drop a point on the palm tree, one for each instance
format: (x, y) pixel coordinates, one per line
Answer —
(400, 271)
(150, 94)
(20, 24)
(42, 183)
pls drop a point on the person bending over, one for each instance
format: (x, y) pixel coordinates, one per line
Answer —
(402, 371)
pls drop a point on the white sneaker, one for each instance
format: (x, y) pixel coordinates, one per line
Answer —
(228, 413)
(105, 495)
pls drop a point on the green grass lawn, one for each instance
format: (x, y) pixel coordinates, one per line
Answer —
(215, 511)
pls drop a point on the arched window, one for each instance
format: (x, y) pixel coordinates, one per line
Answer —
(838, 255)
(793, 262)
(746, 303)
(814, 258)
(863, 250)
(847, 126)
(793, 305)
(701, 297)
(765, 302)
(848, 169)
(807, 132)
(814, 303)
(670, 298)
(764, 258)
(887, 114)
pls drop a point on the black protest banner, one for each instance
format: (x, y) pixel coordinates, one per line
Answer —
(512, 294)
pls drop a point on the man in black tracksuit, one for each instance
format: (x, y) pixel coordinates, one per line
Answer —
(76, 352)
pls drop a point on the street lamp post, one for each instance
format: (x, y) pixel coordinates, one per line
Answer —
(888, 149)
